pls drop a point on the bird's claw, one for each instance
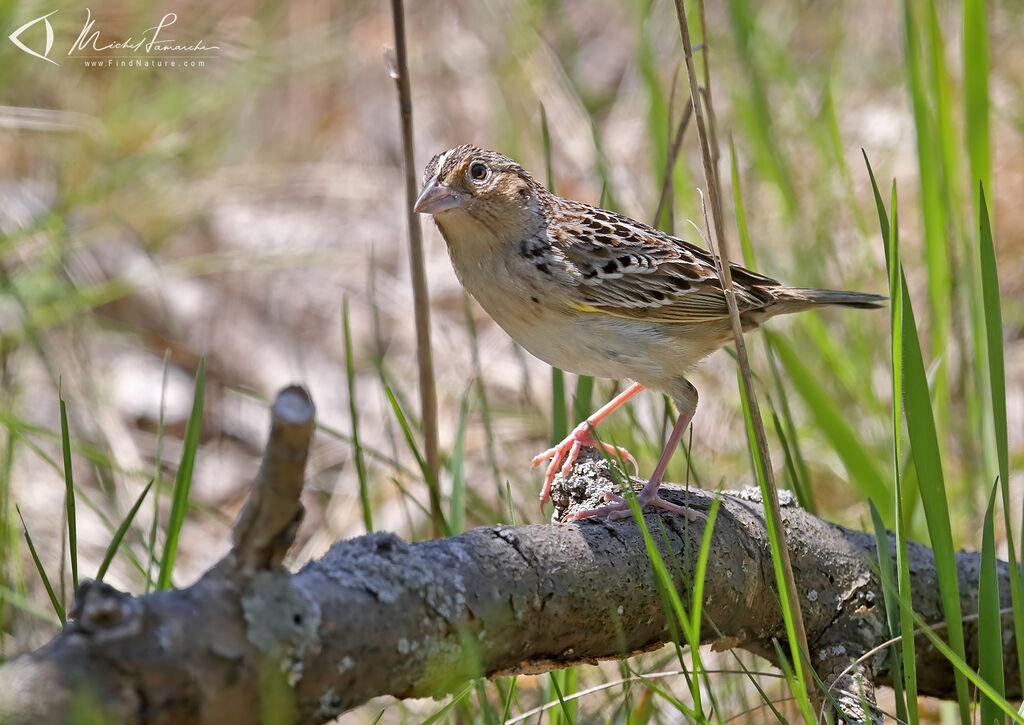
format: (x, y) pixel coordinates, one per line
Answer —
(564, 455)
(618, 507)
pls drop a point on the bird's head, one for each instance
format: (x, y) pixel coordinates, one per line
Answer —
(466, 188)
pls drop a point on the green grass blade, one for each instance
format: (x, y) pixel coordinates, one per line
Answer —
(892, 608)
(980, 413)
(905, 592)
(157, 475)
(481, 394)
(785, 665)
(675, 613)
(69, 487)
(23, 430)
(924, 447)
(409, 497)
(370, 451)
(26, 605)
(804, 495)
(801, 475)
(647, 708)
(183, 480)
(890, 237)
(964, 670)
(755, 108)
(115, 542)
(353, 410)
(485, 712)
(564, 713)
(650, 69)
(545, 138)
(990, 626)
(700, 573)
(940, 92)
(559, 412)
(800, 691)
(796, 469)
(42, 573)
(276, 695)
(10, 549)
(930, 173)
(509, 696)
(846, 368)
(456, 699)
(61, 569)
(994, 340)
(81, 497)
(403, 423)
(511, 508)
(837, 151)
(860, 464)
(883, 216)
(997, 385)
(581, 403)
(741, 211)
(457, 502)
(976, 101)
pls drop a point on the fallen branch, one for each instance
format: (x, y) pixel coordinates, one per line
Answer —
(377, 615)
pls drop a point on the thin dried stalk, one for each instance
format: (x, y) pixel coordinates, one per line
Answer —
(398, 67)
(722, 258)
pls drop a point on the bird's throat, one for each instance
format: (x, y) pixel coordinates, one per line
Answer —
(470, 238)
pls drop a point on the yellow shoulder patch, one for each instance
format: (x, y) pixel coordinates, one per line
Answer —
(585, 308)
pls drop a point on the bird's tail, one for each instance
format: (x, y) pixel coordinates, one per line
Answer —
(794, 299)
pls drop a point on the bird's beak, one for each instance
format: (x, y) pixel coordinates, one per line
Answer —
(436, 198)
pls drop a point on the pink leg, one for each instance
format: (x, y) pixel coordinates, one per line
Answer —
(565, 453)
(648, 495)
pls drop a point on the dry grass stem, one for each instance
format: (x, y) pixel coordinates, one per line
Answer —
(399, 70)
(721, 253)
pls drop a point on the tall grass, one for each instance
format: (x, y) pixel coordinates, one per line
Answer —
(997, 386)
(399, 70)
(899, 621)
(183, 482)
(990, 620)
(912, 398)
(357, 448)
(757, 439)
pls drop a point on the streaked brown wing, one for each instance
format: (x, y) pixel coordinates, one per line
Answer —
(626, 268)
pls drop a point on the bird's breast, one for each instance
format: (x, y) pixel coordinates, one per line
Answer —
(529, 296)
(535, 311)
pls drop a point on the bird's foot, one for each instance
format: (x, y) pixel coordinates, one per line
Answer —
(618, 507)
(565, 453)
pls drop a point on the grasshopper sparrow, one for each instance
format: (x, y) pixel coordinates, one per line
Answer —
(595, 293)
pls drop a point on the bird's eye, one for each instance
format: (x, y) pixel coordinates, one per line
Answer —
(478, 171)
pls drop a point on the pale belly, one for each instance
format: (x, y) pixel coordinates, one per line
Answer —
(588, 343)
(517, 296)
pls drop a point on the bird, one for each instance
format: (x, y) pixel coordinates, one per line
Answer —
(596, 293)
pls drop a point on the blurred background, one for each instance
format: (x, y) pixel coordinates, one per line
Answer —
(228, 210)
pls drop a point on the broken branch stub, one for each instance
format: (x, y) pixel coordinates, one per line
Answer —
(266, 527)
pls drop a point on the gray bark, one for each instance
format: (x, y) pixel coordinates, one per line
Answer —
(377, 615)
